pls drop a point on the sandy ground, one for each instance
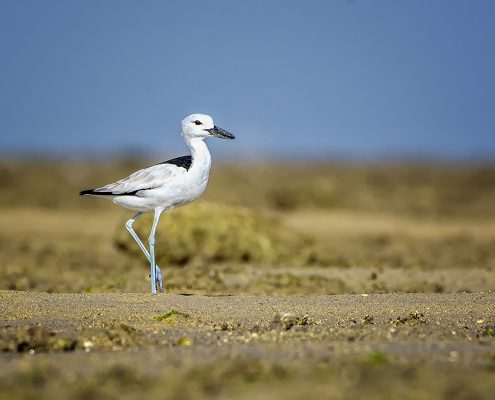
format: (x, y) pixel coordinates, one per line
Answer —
(191, 346)
(418, 241)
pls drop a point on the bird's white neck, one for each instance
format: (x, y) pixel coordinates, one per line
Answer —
(201, 158)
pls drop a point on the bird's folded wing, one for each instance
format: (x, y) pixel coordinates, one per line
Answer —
(144, 179)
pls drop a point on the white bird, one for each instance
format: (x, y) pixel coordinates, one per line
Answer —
(167, 185)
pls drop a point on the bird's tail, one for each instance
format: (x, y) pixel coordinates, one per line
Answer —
(95, 192)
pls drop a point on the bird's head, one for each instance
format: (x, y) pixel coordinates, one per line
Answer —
(202, 126)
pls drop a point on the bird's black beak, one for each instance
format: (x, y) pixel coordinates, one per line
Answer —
(220, 133)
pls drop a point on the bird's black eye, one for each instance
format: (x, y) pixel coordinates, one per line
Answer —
(198, 122)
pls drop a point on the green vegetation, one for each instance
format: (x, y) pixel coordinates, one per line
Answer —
(185, 341)
(368, 319)
(376, 358)
(214, 233)
(488, 330)
(170, 314)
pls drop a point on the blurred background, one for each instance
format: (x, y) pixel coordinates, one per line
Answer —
(364, 159)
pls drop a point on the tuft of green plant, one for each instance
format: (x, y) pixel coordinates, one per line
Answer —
(488, 330)
(206, 233)
(169, 314)
(376, 358)
(368, 319)
(185, 341)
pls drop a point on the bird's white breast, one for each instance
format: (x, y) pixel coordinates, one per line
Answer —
(187, 187)
(179, 188)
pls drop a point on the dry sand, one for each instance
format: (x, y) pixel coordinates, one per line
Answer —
(189, 346)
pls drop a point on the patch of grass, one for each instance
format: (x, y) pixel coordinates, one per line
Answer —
(376, 358)
(211, 234)
(185, 341)
(207, 233)
(488, 331)
(170, 314)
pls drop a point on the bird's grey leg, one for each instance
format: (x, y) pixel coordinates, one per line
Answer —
(154, 275)
(143, 248)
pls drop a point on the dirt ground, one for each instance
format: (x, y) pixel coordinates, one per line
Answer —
(127, 346)
(395, 297)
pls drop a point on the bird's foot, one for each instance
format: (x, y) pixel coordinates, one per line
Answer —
(159, 279)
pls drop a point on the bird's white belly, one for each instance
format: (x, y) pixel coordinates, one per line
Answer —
(176, 194)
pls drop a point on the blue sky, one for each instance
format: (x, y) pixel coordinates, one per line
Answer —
(289, 78)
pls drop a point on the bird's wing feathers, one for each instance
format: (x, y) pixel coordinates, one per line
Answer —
(144, 179)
